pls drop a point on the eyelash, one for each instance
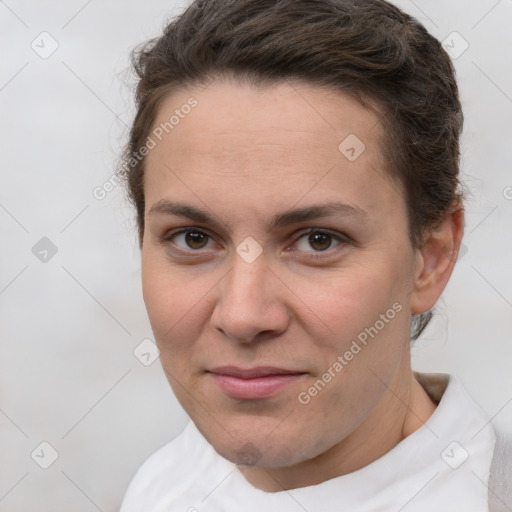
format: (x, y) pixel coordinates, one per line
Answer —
(340, 238)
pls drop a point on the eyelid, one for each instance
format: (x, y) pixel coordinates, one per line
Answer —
(177, 231)
(335, 234)
(306, 231)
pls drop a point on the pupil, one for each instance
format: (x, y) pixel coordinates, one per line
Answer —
(320, 241)
(196, 240)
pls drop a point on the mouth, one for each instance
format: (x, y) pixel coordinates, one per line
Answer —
(253, 383)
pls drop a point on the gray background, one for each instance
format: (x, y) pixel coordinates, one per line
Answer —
(69, 325)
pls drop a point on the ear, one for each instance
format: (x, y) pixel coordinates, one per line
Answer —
(436, 259)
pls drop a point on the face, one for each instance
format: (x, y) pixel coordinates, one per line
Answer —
(277, 269)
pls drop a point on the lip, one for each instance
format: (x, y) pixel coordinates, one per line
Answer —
(253, 383)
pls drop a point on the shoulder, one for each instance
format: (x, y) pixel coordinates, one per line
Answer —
(500, 480)
(484, 438)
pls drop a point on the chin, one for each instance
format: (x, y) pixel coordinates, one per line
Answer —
(258, 444)
(259, 455)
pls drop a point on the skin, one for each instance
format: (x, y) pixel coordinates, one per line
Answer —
(244, 155)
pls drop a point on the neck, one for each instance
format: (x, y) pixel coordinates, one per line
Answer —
(403, 409)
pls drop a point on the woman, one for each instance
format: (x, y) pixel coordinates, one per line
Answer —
(294, 168)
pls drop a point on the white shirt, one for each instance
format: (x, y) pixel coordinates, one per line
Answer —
(442, 467)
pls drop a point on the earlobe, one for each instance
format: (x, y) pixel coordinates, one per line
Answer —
(436, 260)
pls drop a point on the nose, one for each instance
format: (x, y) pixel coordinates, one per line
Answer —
(251, 306)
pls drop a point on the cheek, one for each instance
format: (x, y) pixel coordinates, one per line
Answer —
(362, 338)
(167, 296)
(346, 303)
(365, 321)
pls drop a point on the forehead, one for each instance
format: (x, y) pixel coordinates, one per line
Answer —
(241, 116)
(285, 141)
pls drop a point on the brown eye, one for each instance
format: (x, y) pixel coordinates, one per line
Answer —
(191, 239)
(196, 239)
(320, 241)
(317, 241)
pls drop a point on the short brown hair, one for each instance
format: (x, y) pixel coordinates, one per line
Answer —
(369, 49)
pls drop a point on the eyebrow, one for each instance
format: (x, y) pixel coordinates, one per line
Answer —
(282, 219)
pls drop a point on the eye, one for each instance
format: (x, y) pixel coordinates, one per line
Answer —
(318, 241)
(190, 239)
